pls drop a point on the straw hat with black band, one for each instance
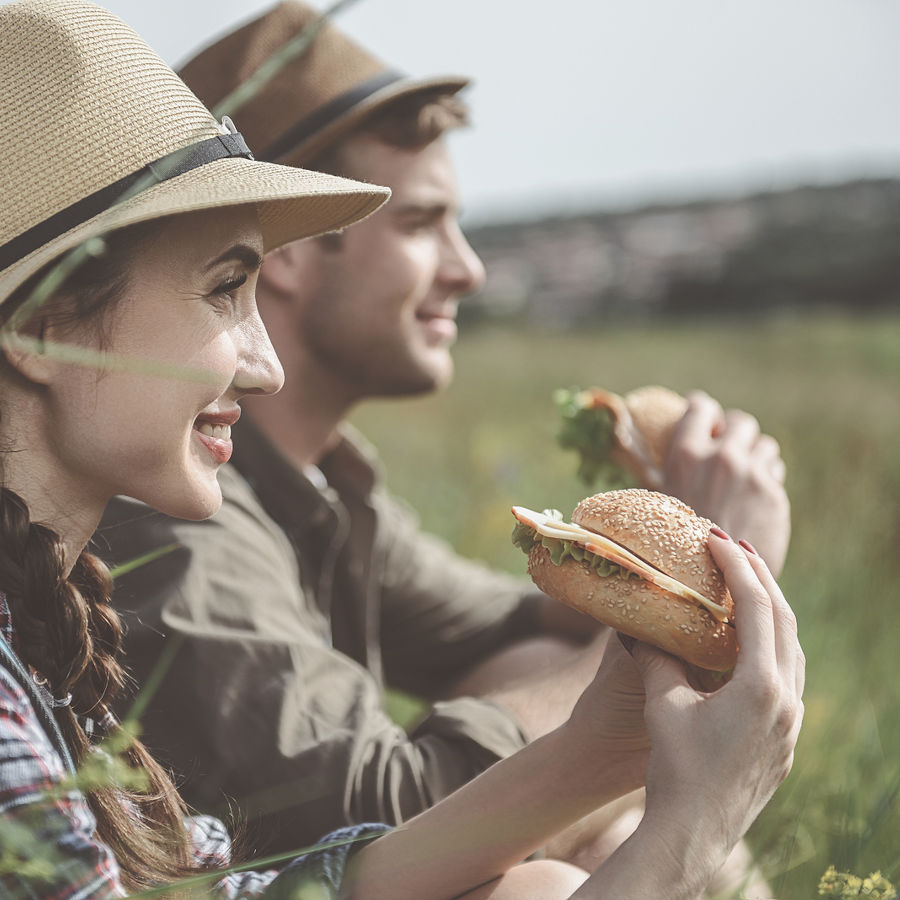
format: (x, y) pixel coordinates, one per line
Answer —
(313, 99)
(99, 133)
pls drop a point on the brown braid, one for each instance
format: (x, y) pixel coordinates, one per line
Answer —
(67, 630)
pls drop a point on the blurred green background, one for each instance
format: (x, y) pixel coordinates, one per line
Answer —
(828, 387)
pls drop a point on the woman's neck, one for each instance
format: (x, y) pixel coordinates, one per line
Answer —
(74, 523)
(53, 501)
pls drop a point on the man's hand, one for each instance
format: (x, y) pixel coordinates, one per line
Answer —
(720, 464)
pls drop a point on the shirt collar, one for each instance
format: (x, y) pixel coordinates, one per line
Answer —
(352, 462)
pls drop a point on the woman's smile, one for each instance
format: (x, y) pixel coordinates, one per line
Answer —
(213, 430)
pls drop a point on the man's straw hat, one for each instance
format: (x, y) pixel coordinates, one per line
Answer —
(89, 113)
(315, 98)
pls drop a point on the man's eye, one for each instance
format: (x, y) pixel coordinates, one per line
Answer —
(420, 224)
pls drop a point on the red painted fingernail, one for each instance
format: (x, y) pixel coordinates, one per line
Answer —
(719, 533)
(748, 547)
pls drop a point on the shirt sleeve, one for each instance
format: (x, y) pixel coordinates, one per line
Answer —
(441, 612)
(256, 705)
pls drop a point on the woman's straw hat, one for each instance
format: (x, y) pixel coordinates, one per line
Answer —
(314, 98)
(99, 133)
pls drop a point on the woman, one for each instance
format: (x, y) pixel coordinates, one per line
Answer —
(100, 137)
(122, 366)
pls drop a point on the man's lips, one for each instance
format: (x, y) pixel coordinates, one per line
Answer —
(438, 324)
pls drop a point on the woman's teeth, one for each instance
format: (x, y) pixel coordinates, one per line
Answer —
(220, 432)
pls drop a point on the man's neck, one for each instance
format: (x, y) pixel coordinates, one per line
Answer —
(303, 419)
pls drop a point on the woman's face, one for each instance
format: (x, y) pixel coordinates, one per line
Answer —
(190, 304)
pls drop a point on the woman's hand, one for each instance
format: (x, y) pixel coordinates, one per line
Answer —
(609, 716)
(718, 757)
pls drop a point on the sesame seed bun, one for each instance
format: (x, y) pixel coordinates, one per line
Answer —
(671, 537)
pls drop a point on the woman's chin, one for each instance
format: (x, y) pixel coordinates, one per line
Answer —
(199, 503)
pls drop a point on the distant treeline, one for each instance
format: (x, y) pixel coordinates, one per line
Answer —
(806, 247)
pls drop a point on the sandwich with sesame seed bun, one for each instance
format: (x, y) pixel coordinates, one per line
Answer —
(637, 561)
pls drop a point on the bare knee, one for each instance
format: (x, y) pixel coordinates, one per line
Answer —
(542, 879)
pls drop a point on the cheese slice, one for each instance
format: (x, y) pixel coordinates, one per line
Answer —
(602, 546)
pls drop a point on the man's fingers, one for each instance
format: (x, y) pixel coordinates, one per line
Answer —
(741, 430)
(690, 443)
(703, 417)
(767, 457)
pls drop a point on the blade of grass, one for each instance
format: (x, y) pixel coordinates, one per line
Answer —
(151, 685)
(138, 561)
(110, 362)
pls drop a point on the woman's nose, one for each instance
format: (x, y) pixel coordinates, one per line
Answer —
(259, 369)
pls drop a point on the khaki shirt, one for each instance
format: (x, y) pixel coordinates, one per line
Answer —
(291, 609)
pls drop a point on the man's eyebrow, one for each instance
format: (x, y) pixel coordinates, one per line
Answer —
(436, 208)
(243, 253)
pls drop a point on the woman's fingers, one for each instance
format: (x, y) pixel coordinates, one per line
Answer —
(787, 645)
(662, 673)
(766, 624)
(753, 615)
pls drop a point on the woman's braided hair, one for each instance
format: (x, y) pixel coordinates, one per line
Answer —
(68, 632)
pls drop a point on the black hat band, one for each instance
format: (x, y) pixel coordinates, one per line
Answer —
(222, 146)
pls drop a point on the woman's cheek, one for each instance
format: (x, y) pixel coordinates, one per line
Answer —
(219, 359)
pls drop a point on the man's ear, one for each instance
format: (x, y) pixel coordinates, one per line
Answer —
(287, 271)
(25, 352)
(282, 269)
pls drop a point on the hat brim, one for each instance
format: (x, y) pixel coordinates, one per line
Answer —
(308, 149)
(292, 203)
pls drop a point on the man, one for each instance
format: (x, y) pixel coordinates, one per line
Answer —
(286, 615)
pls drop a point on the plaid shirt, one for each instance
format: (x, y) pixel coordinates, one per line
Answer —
(48, 843)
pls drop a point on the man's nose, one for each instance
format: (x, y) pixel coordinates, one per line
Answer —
(461, 264)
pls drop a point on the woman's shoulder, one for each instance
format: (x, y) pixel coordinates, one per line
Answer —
(13, 698)
(27, 754)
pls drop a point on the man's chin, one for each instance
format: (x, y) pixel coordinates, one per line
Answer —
(431, 371)
(431, 378)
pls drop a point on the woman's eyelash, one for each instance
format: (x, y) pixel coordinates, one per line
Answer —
(232, 284)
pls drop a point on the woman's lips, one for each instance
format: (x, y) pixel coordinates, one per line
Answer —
(216, 438)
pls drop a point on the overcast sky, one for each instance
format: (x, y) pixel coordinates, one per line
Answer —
(577, 101)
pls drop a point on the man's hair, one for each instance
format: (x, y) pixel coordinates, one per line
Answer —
(407, 123)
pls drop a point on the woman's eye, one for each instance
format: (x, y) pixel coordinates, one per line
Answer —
(232, 284)
(225, 291)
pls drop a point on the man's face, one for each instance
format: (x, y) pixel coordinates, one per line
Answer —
(376, 306)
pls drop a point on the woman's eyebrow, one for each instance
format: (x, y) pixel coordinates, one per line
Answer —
(249, 256)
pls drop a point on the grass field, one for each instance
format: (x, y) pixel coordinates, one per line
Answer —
(829, 389)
